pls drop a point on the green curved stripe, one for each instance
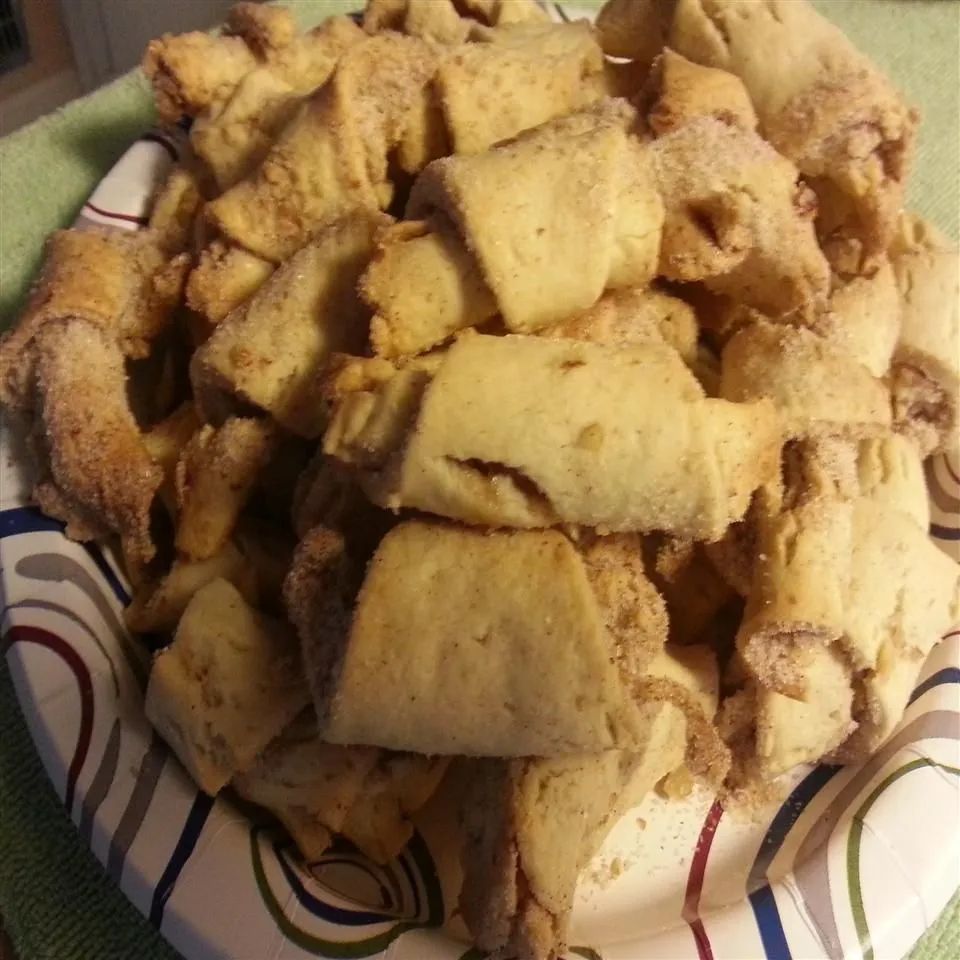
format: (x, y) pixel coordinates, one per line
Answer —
(372, 945)
(306, 941)
(588, 953)
(474, 954)
(853, 848)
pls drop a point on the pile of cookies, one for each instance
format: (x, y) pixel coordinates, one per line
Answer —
(528, 411)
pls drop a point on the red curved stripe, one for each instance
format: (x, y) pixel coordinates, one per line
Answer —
(129, 217)
(59, 646)
(154, 137)
(698, 867)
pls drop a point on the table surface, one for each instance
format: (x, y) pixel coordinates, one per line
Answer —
(55, 899)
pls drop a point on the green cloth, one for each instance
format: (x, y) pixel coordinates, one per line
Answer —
(55, 901)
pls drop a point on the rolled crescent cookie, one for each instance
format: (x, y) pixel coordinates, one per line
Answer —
(233, 132)
(540, 821)
(925, 372)
(738, 218)
(512, 221)
(332, 158)
(820, 102)
(818, 388)
(461, 644)
(530, 432)
(516, 79)
(271, 351)
(853, 569)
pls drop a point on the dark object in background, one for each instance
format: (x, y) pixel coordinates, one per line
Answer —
(14, 50)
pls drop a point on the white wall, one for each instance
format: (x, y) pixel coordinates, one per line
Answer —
(109, 36)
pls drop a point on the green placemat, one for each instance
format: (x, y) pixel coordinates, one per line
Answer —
(55, 900)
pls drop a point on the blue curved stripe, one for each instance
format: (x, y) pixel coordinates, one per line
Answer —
(196, 819)
(946, 675)
(416, 850)
(786, 817)
(19, 520)
(944, 533)
(432, 888)
(23, 520)
(109, 574)
(761, 897)
(326, 911)
(772, 935)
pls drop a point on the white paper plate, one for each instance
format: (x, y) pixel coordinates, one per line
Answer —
(856, 862)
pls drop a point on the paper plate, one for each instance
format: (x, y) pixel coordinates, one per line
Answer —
(856, 862)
